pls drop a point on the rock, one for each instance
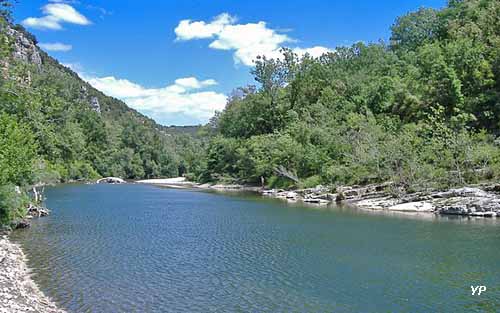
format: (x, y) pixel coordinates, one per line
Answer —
(36, 211)
(381, 203)
(316, 200)
(227, 187)
(357, 192)
(473, 201)
(420, 206)
(23, 224)
(111, 180)
(470, 201)
(95, 105)
(492, 188)
(268, 192)
(24, 48)
(462, 192)
(92, 101)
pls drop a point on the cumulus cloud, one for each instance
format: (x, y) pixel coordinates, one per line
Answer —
(183, 102)
(56, 46)
(187, 29)
(246, 40)
(56, 14)
(193, 83)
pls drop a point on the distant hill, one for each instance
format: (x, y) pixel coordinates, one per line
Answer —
(80, 133)
(176, 130)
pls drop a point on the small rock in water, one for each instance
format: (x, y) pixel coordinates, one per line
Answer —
(23, 224)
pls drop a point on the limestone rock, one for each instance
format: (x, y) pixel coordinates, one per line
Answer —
(25, 48)
(111, 180)
(95, 105)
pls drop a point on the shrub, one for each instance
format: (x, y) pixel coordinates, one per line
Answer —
(12, 204)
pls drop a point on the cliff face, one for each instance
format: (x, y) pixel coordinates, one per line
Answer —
(93, 101)
(24, 48)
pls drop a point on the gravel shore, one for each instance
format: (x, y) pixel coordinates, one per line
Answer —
(18, 292)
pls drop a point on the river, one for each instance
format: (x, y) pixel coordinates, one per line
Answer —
(139, 248)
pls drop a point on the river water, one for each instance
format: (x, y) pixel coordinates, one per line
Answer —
(138, 248)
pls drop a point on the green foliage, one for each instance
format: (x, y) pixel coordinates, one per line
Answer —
(17, 152)
(12, 204)
(415, 29)
(73, 141)
(423, 112)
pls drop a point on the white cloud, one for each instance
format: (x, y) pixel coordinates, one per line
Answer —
(187, 30)
(46, 22)
(183, 102)
(192, 82)
(56, 14)
(56, 46)
(246, 40)
(314, 52)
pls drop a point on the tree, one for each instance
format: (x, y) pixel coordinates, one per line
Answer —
(17, 152)
(414, 29)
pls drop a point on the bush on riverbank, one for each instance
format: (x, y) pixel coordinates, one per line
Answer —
(17, 153)
(12, 205)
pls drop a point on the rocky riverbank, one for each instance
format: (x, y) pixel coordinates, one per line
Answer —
(18, 292)
(480, 200)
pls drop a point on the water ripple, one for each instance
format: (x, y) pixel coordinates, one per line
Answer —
(136, 248)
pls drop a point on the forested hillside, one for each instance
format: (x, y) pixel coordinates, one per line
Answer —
(422, 110)
(54, 127)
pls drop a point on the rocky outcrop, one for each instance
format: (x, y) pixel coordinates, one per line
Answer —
(111, 180)
(24, 48)
(468, 201)
(93, 101)
(317, 195)
(33, 211)
(472, 201)
(37, 211)
(95, 105)
(351, 193)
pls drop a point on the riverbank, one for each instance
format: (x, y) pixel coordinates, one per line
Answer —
(477, 200)
(18, 292)
(182, 182)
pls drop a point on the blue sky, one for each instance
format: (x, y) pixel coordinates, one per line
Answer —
(176, 60)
